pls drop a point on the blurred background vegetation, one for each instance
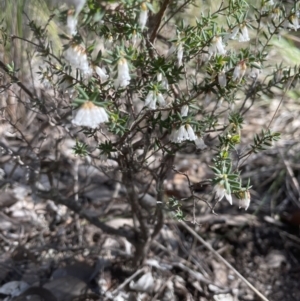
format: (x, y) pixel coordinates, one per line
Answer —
(15, 16)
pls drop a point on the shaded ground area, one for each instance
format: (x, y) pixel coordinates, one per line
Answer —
(58, 256)
(74, 259)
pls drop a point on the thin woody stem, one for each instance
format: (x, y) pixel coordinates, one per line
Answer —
(158, 19)
(17, 81)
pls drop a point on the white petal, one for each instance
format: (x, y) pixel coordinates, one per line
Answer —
(191, 134)
(143, 19)
(161, 100)
(220, 47)
(104, 115)
(236, 73)
(179, 54)
(150, 100)
(92, 121)
(244, 35)
(234, 33)
(72, 24)
(244, 203)
(123, 69)
(184, 110)
(228, 197)
(183, 134)
(220, 191)
(101, 73)
(79, 117)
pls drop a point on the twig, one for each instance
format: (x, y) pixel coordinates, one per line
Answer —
(16, 80)
(216, 254)
(158, 19)
(177, 10)
(281, 100)
(291, 174)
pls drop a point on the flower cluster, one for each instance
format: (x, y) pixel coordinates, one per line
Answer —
(243, 196)
(77, 57)
(185, 132)
(152, 98)
(216, 47)
(221, 192)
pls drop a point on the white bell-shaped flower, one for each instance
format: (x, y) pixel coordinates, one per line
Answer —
(161, 100)
(221, 192)
(276, 12)
(179, 54)
(152, 98)
(244, 34)
(216, 47)
(185, 132)
(101, 72)
(191, 133)
(134, 38)
(244, 200)
(163, 80)
(123, 78)
(239, 71)
(231, 35)
(90, 115)
(184, 111)
(77, 57)
(72, 23)
(294, 22)
(143, 17)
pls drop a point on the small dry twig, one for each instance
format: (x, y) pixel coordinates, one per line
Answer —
(216, 254)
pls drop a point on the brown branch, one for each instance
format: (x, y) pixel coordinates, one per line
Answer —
(177, 10)
(158, 19)
(17, 81)
(166, 166)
